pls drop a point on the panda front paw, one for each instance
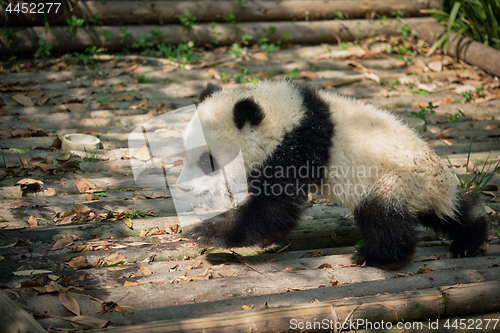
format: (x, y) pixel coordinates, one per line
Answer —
(206, 234)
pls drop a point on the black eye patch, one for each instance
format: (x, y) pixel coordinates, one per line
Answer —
(207, 163)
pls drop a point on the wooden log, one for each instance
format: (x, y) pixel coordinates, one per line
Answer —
(464, 48)
(16, 319)
(313, 32)
(161, 12)
(362, 312)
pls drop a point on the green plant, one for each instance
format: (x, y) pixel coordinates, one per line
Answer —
(294, 74)
(478, 19)
(467, 95)
(339, 16)
(188, 20)
(8, 34)
(73, 24)
(420, 92)
(456, 116)
(95, 20)
(398, 14)
(182, 53)
(90, 156)
(424, 111)
(43, 50)
(476, 184)
(106, 34)
(404, 31)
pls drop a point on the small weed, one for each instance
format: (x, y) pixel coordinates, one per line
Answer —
(424, 111)
(339, 16)
(420, 92)
(90, 156)
(8, 34)
(475, 185)
(294, 74)
(398, 14)
(95, 20)
(106, 34)
(467, 95)
(455, 117)
(188, 20)
(73, 24)
(43, 50)
(182, 53)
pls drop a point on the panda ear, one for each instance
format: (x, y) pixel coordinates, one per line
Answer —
(247, 110)
(209, 90)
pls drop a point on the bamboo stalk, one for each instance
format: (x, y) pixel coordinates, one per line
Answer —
(423, 305)
(163, 12)
(223, 34)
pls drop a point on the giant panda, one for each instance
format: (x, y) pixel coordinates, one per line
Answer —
(354, 154)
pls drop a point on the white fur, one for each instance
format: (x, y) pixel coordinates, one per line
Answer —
(404, 170)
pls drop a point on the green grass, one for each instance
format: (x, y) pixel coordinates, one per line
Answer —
(478, 19)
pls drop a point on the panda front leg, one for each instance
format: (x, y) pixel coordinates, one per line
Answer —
(260, 219)
(388, 232)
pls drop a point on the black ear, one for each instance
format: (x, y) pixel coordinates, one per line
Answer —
(209, 90)
(247, 110)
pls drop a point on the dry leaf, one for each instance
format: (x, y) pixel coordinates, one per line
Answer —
(261, 56)
(131, 284)
(246, 307)
(32, 221)
(44, 99)
(87, 321)
(325, 265)
(78, 262)
(214, 73)
(23, 100)
(83, 185)
(426, 269)
(69, 303)
(143, 153)
(307, 75)
(114, 258)
(145, 270)
(291, 269)
(436, 66)
(67, 240)
(128, 222)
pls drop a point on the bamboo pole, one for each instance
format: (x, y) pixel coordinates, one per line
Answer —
(355, 313)
(162, 12)
(314, 32)
(464, 48)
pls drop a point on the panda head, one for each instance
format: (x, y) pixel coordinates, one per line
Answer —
(251, 120)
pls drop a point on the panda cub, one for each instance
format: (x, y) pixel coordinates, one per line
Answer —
(294, 139)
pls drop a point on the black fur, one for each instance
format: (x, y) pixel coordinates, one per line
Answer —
(389, 236)
(209, 90)
(388, 232)
(247, 110)
(263, 217)
(469, 230)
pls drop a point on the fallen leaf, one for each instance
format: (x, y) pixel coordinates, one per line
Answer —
(131, 284)
(69, 303)
(291, 269)
(436, 66)
(426, 269)
(87, 321)
(128, 222)
(246, 307)
(143, 153)
(325, 265)
(32, 221)
(260, 56)
(214, 73)
(83, 185)
(67, 240)
(23, 100)
(145, 270)
(114, 258)
(44, 99)
(307, 75)
(464, 88)
(78, 262)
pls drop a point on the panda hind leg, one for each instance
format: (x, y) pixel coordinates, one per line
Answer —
(468, 230)
(388, 233)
